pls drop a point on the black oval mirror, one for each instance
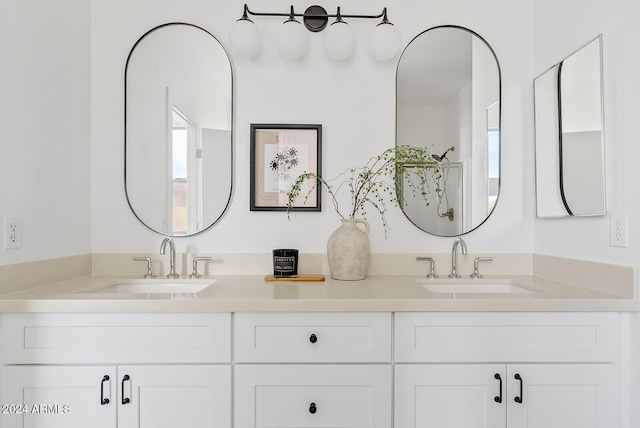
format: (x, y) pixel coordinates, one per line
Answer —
(448, 100)
(178, 129)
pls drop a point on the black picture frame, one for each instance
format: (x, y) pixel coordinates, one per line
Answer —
(279, 154)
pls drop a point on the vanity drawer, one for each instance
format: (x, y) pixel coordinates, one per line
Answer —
(507, 337)
(313, 337)
(292, 396)
(116, 338)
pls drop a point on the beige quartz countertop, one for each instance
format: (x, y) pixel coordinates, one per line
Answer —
(239, 293)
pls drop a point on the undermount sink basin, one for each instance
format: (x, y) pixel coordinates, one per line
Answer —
(472, 286)
(152, 286)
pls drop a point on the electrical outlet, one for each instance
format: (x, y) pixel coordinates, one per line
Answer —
(12, 233)
(618, 233)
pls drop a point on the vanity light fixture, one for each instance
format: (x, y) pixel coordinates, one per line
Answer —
(384, 43)
(293, 40)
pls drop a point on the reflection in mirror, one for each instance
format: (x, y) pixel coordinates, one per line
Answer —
(493, 156)
(448, 100)
(178, 118)
(549, 201)
(570, 177)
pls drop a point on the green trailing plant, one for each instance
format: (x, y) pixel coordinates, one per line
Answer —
(389, 178)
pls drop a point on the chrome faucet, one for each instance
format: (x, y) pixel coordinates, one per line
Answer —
(172, 257)
(454, 256)
(432, 266)
(194, 274)
(476, 266)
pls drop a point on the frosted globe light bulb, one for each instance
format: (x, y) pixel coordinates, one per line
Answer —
(340, 41)
(384, 42)
(245, 37)
(293, 39)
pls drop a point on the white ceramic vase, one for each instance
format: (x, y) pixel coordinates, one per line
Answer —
(348, 250)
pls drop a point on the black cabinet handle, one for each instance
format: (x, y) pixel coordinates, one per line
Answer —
(518, 399)
(124, 379)
(312, 408)
(103, 400)
(313, 338)
(498, 398)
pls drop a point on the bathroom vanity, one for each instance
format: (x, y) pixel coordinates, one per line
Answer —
(311, 369)
(376, 353)
(117, 370)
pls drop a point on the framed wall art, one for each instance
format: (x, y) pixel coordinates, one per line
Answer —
(279, 155)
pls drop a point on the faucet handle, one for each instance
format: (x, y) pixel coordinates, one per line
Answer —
(195, 273)
(432, 266)
(149, 273)
(476, 271)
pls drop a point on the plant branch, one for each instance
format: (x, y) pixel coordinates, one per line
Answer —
(382, 178)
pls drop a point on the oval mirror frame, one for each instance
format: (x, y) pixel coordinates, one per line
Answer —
(178, 126)
(468, 151)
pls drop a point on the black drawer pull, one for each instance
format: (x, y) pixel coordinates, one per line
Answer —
(498, 398)
(103, 400)
(313, 338)
(312, 408)
(518, 399)
(125, 400)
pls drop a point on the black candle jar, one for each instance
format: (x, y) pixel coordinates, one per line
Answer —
(285, 263)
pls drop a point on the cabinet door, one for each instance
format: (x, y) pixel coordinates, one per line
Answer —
(174, 396)
(307, 396)
(452, 396)
(55, 397)
(563, 396)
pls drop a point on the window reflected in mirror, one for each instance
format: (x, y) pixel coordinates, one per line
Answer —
(183, 146)
(493, 156)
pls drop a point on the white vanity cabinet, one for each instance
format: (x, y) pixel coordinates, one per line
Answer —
(152, 370)
(563, 396)
(175, 396)
(435, 395)
(43, 397)
(313, 370)
(479, 395)
(514, 370)
(140, 396)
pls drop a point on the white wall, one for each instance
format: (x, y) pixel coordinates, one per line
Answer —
(587, 238)
(44, 126)
(45, 49)
(354, 101)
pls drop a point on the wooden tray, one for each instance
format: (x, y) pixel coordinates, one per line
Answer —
(308, 277)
